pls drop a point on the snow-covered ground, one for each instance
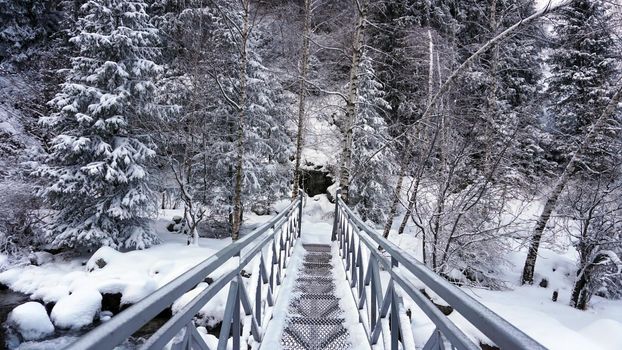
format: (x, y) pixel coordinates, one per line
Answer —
(556, 325)
(73, 289)
(76, 287)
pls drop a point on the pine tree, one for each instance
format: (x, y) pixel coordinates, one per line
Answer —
(97, 165)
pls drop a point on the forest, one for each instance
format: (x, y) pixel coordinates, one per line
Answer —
(478, 128)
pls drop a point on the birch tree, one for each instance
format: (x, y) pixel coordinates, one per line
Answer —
(302, 93)
(358, 42)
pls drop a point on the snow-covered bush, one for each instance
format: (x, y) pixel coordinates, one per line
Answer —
(20, 218)
(593, 218)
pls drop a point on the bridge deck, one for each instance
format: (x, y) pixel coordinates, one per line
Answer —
(316, 320)
(320, 314)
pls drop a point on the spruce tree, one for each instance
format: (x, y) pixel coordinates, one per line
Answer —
(96, 171)
(582, 73)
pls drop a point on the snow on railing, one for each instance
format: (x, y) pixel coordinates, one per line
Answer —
(272, 242)
(381, 307)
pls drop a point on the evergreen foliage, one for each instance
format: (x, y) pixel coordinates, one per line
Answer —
(97, 165)
(582, 75)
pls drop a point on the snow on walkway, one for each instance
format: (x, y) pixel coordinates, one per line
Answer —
(318, 311)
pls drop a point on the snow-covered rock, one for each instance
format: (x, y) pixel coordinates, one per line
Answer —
(102, 257)
(31, 321)
(40, 258)
(78, 309)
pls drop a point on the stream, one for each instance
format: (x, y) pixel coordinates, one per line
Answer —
(10, 340)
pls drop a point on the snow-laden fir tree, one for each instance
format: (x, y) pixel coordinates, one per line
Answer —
(96, 170)
(371, 188)
(268, 145)
(582, 75)
(22, 24)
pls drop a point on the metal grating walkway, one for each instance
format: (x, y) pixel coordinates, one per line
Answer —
(315, 321)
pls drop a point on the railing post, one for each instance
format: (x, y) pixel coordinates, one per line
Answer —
(395, 327)
(335, 222)
(301, 196)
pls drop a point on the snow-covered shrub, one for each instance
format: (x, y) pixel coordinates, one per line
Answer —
(593, 212)
(20, 218)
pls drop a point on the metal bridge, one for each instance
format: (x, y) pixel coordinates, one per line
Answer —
(378, 274)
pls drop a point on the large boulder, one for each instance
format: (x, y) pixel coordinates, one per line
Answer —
(315, 181)
(77, 310)
(31, 321)
(102, 257)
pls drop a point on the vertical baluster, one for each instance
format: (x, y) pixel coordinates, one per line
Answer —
(342, 227)
(236, 319)
(346, 251)
(279, 258)
(258, 291)
(373, 298)
(285, 244)
(344, 232)
(335, 232)
(361, 267)
(230, 308)
(355, 264)
(353, 259)
(395, 326)
(301, 196)
(272, 274)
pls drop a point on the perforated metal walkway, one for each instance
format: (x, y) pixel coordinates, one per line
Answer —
(315, 321)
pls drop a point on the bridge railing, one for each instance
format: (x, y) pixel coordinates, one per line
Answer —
(271, 244)
(381, 309)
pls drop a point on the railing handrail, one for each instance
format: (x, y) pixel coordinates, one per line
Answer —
(122, 326)
(504, 334)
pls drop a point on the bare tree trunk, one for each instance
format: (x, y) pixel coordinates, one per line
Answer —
(236, 220)
(430, 67)
(492, 92)
(413, 196)
(352, 102)
(396, 198)
(551, 202)
(304, 67)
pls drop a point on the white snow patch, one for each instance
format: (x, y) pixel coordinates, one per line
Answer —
(78, 309)
(606, 332)
(214, 310)
(4, 261)
(31, 321)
